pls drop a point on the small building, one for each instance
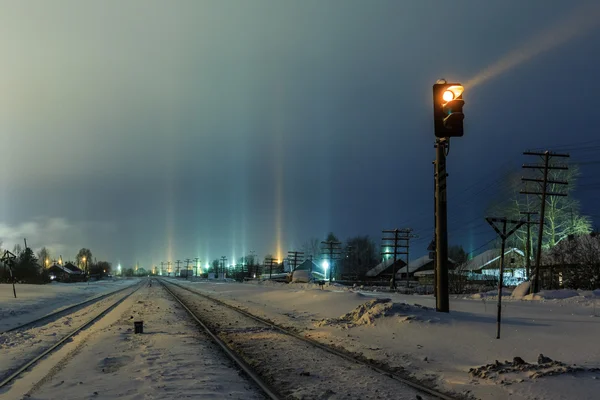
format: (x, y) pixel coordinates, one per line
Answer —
(422, 266)
(67, 272)
(385, 269)
(317, 270)
(486, 265)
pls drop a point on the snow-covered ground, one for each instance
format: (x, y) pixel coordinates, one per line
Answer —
(442, 347)
(20, 346)
(35, 301)
(170, 360)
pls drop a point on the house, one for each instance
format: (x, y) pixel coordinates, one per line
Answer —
(385, 269)
(66, 273)
(318, 272)
(572, 263)
(422, 266)
(487, 265)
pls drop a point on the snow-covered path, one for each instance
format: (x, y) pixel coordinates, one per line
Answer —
(441, 347)
(171, 360)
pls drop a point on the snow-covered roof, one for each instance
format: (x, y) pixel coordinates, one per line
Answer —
(482, 260)
(68, 268)
(383, 266)
(306, 266)
(417, 264)
(570, 251)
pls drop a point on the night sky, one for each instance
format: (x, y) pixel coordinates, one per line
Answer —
(152, 131)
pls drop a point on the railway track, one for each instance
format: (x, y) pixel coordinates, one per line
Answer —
(64, 312)
(6, 380)
(235, 334)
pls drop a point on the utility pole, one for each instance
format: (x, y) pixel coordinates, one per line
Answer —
(400, 242)
(187, 267)
(162, 267)
(177, 268)
(349, 255)
(442, 301)
(545, 168)
(385, 251)
(169, 263)
(223, 261)
(8, 259)
(197, 259)
(432, 246)
(448, 120)
(295, 257)
(528, 244)
(333, 249)
(503, 235)
(269, 261)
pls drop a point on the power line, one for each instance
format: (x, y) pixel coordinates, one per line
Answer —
(464, 192)
(482, 246)
(561, 146)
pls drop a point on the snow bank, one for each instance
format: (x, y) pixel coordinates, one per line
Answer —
(367, 313)
(521, 290)
(552, 295)
(491, 293)
(300, 285)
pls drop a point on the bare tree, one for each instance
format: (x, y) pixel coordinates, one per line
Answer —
(312, 248)
(563, 214)
(44, 257)
(84, 259)
(17, 249)
(360, 255)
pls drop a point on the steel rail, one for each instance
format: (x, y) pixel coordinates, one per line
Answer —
(49, 350)
(348, 357)
(270, 392)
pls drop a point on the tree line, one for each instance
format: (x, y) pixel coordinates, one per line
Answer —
(31, 267)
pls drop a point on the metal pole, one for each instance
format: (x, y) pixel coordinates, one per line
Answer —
(12, 278)
(330, 261)
(442, 303)
(528, 243)
(407, 260)
(393, 280)
(536, 281)
(500, 281)
(528, 247)
(435, 275)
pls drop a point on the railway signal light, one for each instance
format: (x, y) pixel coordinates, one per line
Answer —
(448, 109)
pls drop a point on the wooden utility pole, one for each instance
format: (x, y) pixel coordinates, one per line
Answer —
(503, 235)
(269, 261)
(177, 268)
(400, 243)
(197, 259)
(332, 249)
(223, 261)
(295, 257)
(442, 300)
(543, 192)
(187, 267)
(528, 244)
(8, 259)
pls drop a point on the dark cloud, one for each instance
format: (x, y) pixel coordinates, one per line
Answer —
(202, 128)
